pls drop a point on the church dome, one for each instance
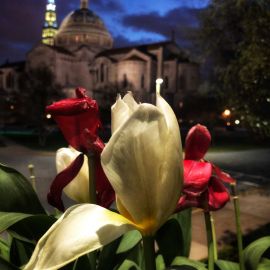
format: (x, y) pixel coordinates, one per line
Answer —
(83, 27)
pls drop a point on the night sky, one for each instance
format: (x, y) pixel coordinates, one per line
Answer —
(129, 21)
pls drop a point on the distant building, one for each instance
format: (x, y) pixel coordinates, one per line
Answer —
(80, 53)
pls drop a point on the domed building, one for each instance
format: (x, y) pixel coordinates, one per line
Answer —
(83, 27)
(80, 53)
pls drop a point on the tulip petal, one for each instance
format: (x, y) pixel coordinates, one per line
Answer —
(218, 195)
(78, 188)
(62, 180)
(120, 113)
(142, 162)
(225, 177)
(196, 177)
(130, 101)
(81, 229)
(122, 109)
(197, 142)
(170, 118)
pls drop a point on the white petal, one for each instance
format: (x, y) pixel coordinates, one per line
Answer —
(142, 162)
(130, 101)
(81, 229)
(120, 113)
(78, 188)
(122, 109)
(171, 119)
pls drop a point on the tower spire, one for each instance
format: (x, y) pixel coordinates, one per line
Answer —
(50, 25)
(84, 4)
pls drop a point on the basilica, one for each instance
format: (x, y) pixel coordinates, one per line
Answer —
(80, 53)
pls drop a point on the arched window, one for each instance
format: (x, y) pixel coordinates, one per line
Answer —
(125, 81)
(10, 80)
(142, 81)
(102, 73)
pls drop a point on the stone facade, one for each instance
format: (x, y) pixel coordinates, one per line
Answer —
(83, 56)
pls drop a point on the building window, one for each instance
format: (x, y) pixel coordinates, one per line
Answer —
(10, 80)
(166, 82)
(102, 73)
(125, 81)
(142, 81)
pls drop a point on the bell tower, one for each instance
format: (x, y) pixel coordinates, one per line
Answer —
(50, 25)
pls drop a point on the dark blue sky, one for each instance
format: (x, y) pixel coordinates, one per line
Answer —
(129, 21)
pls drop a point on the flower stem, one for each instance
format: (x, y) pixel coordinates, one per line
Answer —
(149, 252)
(92, 178)
(238, 225)
(210, 242)
(214, 236)
(92, 196)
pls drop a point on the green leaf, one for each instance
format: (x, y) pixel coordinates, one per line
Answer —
(264, 265)
(129, 265)
(253, 253)
(184, 219)
(5, 265)
(160, 264)
(174, 237)
(227, 265)
(17, 194)
(20, 252)
(108, 255)
(9, 219)
(4, 250)
(85, 262)
(185, 261)
(33, 227)
(128, 241)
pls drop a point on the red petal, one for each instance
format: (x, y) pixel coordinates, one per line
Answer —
(197, 142)
(74, 116)
(196, 177)
(225, 177)
(105, 192)
(186, 202)
(218, 195)
(61, 180)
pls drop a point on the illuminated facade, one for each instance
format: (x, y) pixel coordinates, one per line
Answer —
(50, 25)
(81, 53)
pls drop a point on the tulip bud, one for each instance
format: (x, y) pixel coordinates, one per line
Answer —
(197, 142)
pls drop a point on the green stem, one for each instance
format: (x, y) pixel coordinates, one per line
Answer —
(92, 197)
(214, 236)
(210, 243)
(149, 252)
(238, 225)
(92, 178)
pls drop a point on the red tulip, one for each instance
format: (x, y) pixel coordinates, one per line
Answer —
(78, 119)
(203, 181)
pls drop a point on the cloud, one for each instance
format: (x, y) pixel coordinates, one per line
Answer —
(183, 21)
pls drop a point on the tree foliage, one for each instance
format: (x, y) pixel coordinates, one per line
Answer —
(235, 36)
(38, 88)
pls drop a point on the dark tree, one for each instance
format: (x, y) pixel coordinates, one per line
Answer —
(38, 89)
(235, 37)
